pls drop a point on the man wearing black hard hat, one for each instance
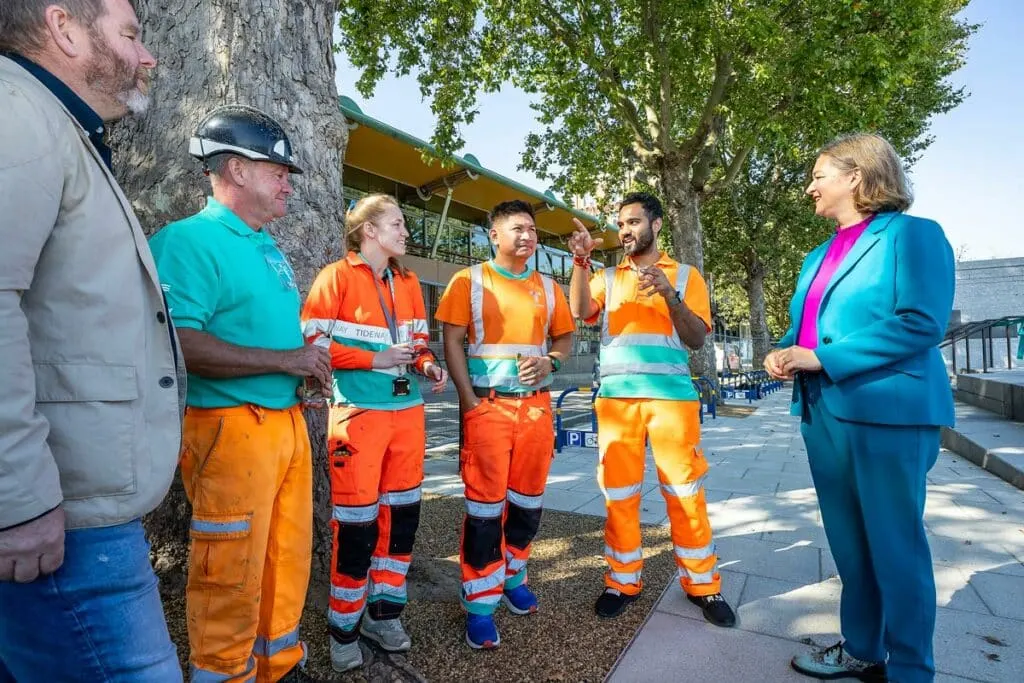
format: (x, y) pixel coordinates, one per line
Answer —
(245, 458)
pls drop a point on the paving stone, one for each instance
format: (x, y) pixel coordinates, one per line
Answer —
(1003, 593)
(980, 647)
(772, 560)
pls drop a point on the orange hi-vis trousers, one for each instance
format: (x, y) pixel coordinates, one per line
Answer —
(673, 428)
(507, 446)
(248, 473)
(376, 460)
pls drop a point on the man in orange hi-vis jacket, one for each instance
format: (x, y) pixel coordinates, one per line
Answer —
(651, 309)
(509, 312)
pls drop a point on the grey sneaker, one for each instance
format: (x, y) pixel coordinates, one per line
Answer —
(835, 662)
(345, 656)
(388, 634)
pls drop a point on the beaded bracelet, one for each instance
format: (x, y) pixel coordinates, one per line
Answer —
(582, 261)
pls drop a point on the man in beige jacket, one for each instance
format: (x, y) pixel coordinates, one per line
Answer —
(91, 383)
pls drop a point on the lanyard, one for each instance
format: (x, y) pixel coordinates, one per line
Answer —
(388, 318)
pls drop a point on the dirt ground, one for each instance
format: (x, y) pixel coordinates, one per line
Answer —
(564, 641)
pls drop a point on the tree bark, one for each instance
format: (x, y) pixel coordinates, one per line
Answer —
(760, 335)
(682, 209)
(275, 55)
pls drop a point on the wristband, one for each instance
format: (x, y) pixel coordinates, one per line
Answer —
(582, 261)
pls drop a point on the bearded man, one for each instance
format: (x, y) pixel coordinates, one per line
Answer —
(91, 381)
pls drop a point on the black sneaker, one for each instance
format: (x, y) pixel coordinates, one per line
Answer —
(715, 608)
(835, 662)
(612, 602)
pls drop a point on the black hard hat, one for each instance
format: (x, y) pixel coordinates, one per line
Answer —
(244, 131)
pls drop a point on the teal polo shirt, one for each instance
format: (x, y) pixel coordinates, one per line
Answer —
(224, 278)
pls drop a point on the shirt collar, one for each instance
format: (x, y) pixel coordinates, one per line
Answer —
(504, 272)
(216, 211)
(86, 116)
(664, 260)
(856, 227)
(356, 260)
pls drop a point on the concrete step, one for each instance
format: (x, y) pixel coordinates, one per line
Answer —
(988, 440)
(1000, 392)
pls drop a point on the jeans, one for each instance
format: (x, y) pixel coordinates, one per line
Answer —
(98, 618)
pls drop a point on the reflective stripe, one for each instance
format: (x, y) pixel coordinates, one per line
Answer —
(402, 497)
(609, 369)
(697, 577)
(623, 492)
(549, 298)
(197, 675)
(476, 301)
(515, 566)
(640, 339)
(525, 502)
(419, 326)
(627, 578)
(491, 599)
(485, 583)
(348, 594)
(684, 490)
(355, 515)
(500, 382)
(387, 590)
(207, 527)
(702, 553)
(624, 556)
(389, 564)
(505, 350)
(484, 510)
(268, 648)
(346, 621)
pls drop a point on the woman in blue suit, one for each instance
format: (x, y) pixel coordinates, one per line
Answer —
(870, 308)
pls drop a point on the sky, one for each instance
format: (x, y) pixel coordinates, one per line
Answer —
(967, 179)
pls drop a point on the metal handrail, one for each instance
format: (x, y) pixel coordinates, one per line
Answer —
(968, 331)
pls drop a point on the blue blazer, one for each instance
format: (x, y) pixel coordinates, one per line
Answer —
(881, 319)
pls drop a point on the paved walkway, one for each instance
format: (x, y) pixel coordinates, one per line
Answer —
(777, 569)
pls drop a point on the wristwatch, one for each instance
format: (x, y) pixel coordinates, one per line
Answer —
(677, 298)
(556, 364)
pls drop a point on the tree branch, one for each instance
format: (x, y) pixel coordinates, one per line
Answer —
(705, 127)
(732, 171)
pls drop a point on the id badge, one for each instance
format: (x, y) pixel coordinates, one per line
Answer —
(401, 386)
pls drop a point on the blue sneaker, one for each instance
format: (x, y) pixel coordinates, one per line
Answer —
(481, 633)
(520, 600)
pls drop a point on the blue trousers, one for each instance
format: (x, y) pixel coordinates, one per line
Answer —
(98, 618)
(870, 482)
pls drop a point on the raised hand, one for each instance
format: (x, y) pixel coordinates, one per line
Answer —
(580, 241)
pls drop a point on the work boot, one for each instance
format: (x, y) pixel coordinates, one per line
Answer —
(715, 608)
(345, 656)
(835, 662)
(520, 600)
(613, 602)
(388, 634)
(481, 633)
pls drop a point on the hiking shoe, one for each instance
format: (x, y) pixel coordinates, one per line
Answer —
(612, 602)
(388, 634)
(715, 608)
(481, 633)
(520, 600)
(345, 656)
(835, 662)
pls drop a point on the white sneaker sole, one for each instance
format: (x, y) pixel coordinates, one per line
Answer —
(515, 610)
(492, 646)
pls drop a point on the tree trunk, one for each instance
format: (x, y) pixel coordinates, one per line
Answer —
(682, 209)
(278, 58)
(758, 318)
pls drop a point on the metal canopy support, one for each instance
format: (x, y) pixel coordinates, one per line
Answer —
(440, 225)
(450, 181)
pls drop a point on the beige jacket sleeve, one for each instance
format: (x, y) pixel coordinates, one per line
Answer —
(31, 181)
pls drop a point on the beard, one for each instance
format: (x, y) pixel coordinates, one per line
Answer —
(642, 243)
(110, 74)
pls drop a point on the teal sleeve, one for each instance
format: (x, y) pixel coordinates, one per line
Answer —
(925, 280)
(189, 276)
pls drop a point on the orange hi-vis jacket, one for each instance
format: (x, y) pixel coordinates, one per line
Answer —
(344, 305)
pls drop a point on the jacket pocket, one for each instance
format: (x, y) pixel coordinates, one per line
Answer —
(93, 414)
(221, 545)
